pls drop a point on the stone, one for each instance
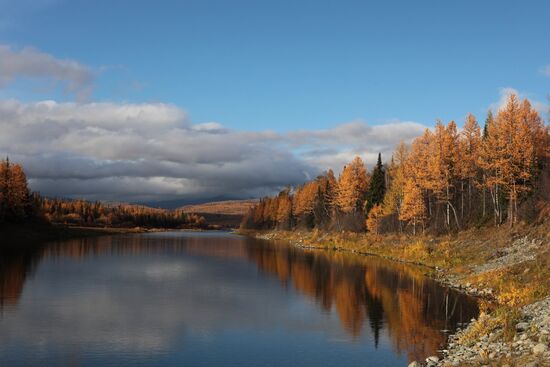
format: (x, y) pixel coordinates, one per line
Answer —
(522, 326)
(432, 359)
(532, 364)
(414, 364)
(540, 349)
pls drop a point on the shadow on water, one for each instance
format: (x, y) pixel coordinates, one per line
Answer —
(371, 293)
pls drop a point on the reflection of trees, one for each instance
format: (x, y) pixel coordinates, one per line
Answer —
(370, 290)
(15, 267)
(365, 292)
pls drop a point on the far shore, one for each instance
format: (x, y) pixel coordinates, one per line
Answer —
(31, 234)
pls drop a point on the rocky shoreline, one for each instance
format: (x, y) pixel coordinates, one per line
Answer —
(529, 347)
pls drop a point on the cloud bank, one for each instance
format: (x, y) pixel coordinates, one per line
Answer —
(152, 151)
(31, 63)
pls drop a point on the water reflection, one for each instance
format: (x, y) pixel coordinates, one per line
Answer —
(369, 290)
(15, 267)
(141, 294)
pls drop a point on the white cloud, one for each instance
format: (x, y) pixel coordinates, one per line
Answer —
(124, 151)
(545, 70)
(31, 63)
(541, 107)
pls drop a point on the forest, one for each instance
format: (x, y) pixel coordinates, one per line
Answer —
(19, 205)
(445, 181)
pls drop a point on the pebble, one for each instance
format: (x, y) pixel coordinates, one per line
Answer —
(432, 359)
(414, 364)
(539, 349)
(522, 326)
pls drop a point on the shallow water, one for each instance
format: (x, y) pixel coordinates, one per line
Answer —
(216, 299)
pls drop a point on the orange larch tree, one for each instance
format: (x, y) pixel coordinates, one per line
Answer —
(508, 157)
(469, 149)
(352, 186)
(397, 176)
(442, 164)
(414, 207)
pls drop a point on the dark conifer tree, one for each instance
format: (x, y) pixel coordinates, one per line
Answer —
(377, 186)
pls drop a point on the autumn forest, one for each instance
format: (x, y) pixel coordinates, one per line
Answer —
(446, 180)
(19, 205)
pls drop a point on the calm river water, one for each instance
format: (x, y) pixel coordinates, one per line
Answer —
(216, 299)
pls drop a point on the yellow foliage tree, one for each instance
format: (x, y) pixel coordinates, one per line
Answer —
(397, 176)
(352, 186)
(508, 157)
(414, 208)
(284, 209)
(374, 218)
(469, 149)
(442, 164)
(14, 192)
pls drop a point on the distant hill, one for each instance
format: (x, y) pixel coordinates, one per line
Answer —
(226, 213)
(179, 203)
(227, 207)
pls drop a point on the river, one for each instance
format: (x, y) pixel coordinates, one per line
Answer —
(217, 299)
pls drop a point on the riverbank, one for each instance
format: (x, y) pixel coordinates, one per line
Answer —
(508, 268)
(29, 234)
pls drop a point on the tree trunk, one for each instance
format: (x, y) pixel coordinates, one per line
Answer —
(470, 197)
(484, 201)
(462, 200)
(454, 212)
(448, 209)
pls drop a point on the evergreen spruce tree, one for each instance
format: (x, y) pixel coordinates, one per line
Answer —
(377, 187)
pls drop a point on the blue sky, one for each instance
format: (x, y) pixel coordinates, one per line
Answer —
(159, 100)
(286, 64)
